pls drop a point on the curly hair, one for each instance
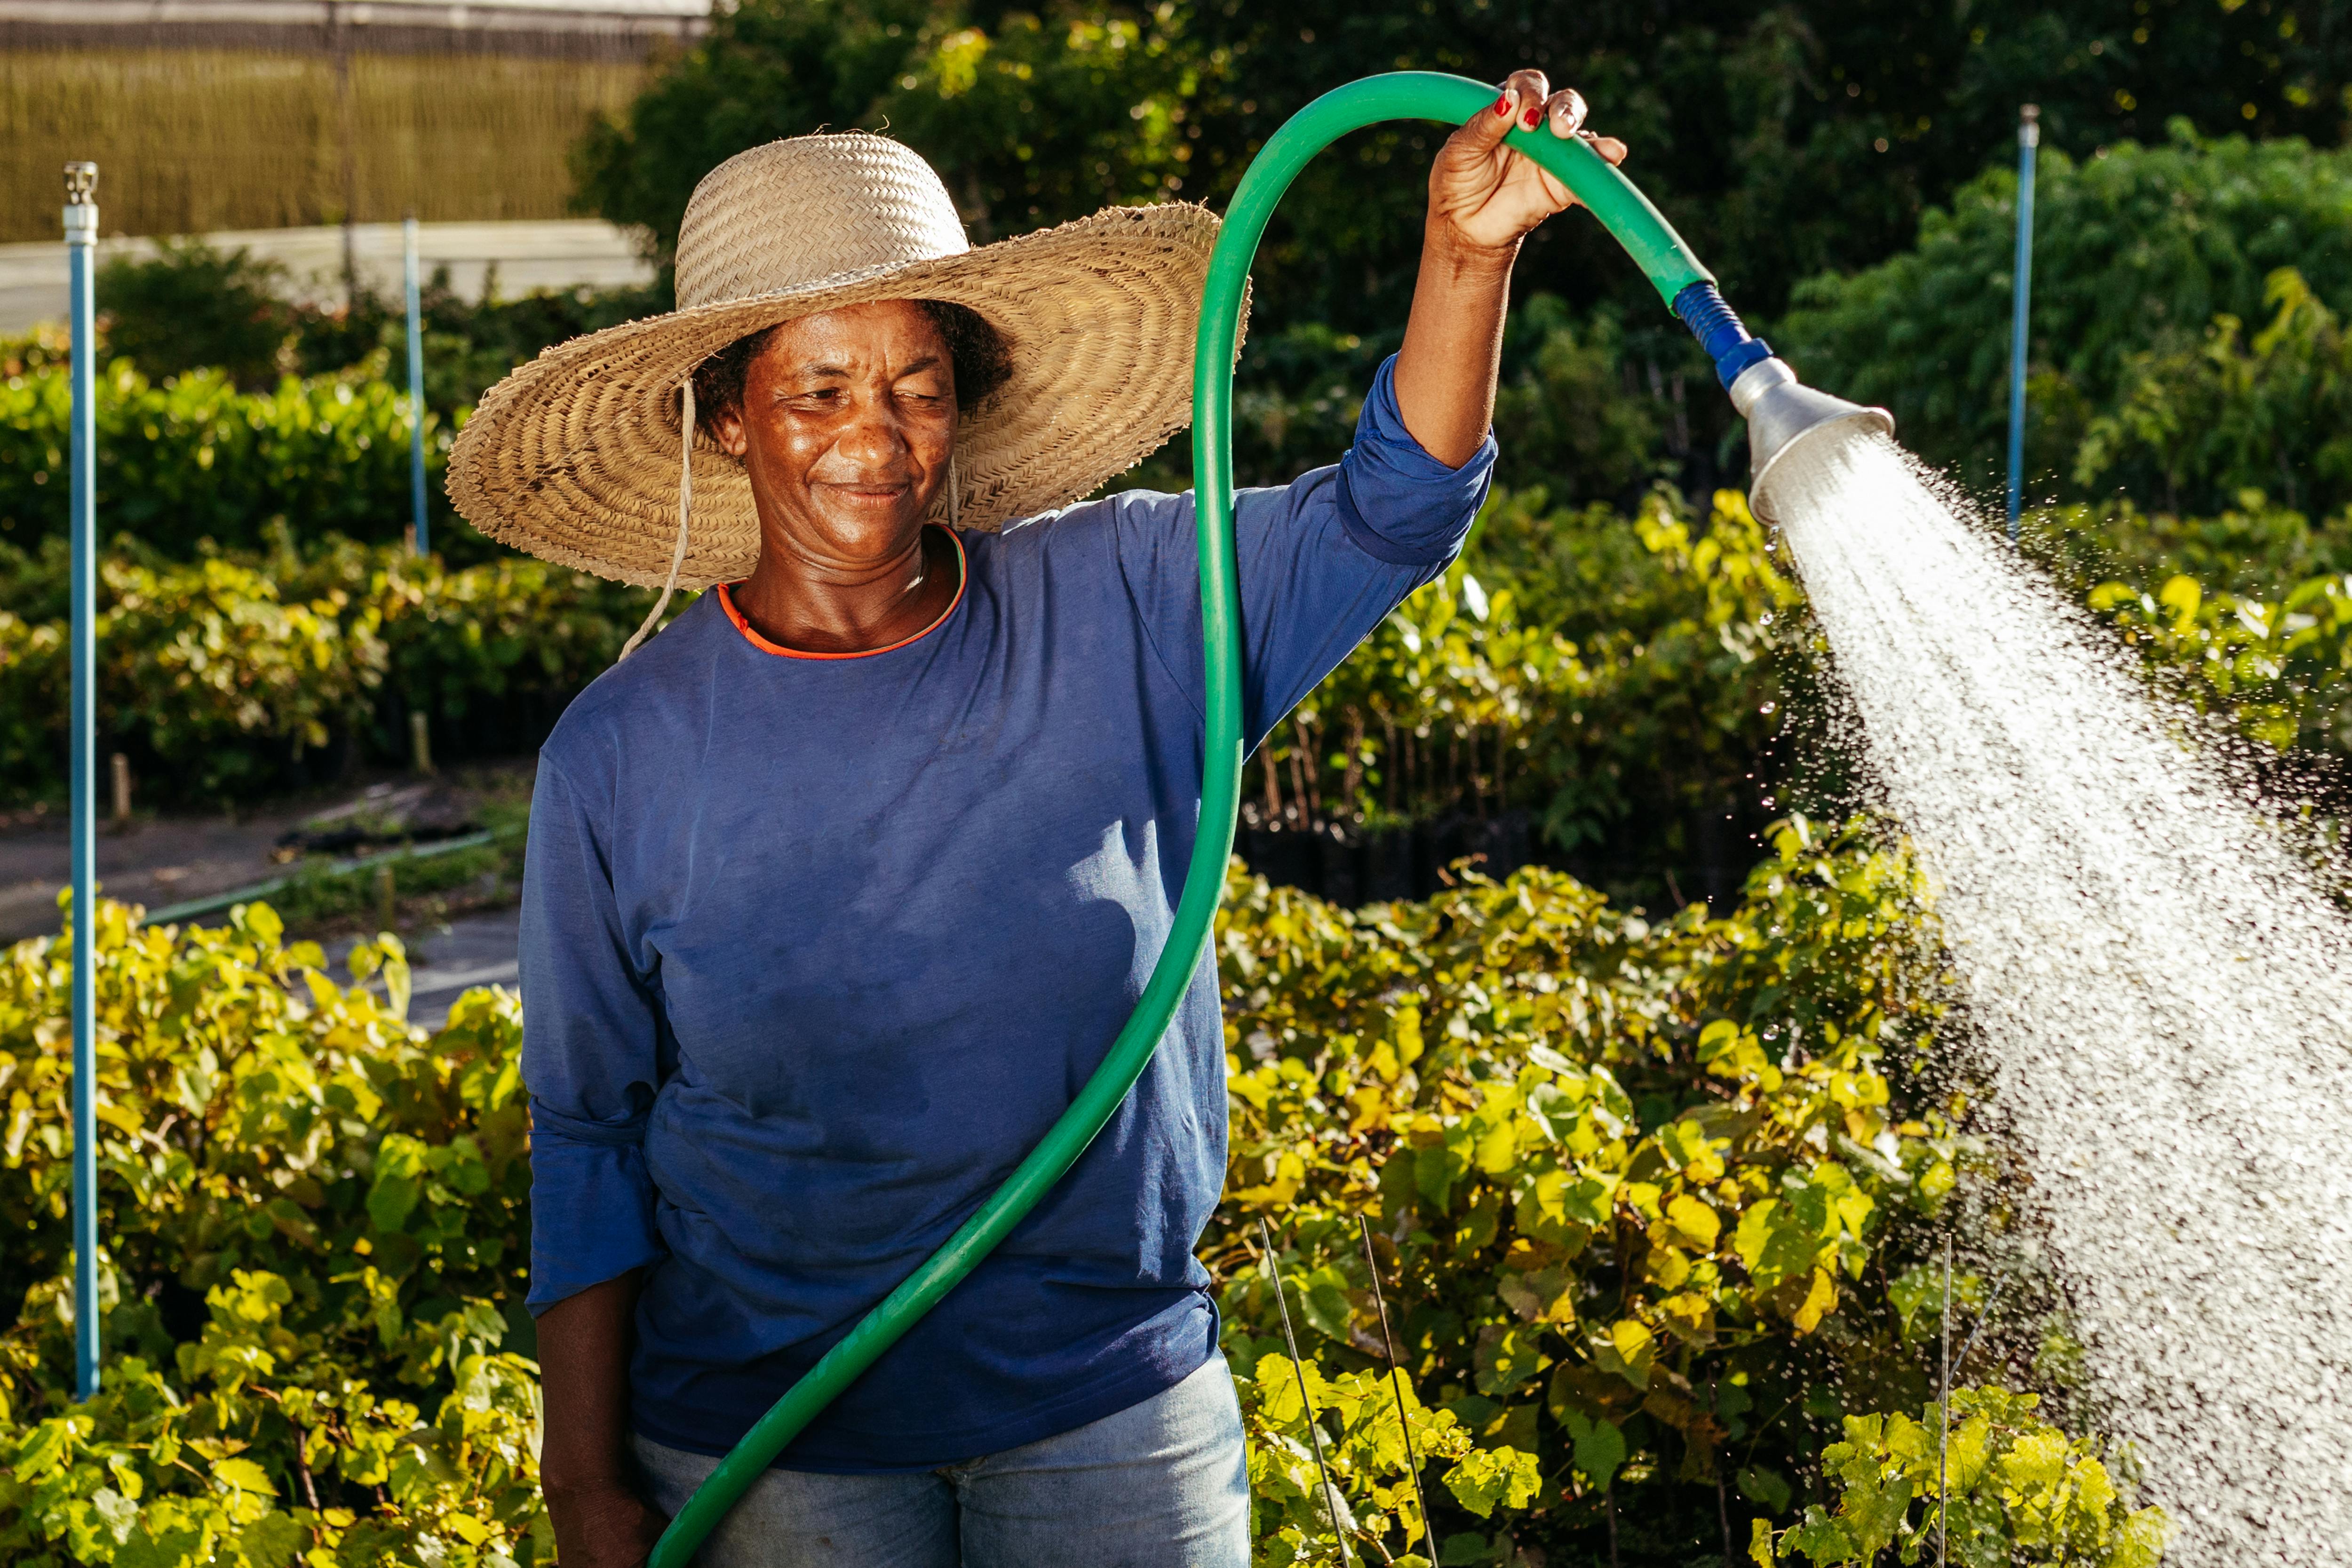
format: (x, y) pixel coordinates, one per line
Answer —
(976, 349)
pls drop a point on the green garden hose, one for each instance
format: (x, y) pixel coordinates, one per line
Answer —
(1405, 95)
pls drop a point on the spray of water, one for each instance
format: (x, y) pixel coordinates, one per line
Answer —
(2166, 996)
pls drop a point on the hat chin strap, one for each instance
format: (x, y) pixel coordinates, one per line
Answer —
(685, 512)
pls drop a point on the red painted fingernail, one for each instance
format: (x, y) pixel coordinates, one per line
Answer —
(1502, 104)
(1535, 118)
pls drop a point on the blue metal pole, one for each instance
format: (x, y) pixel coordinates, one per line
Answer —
(81, 238)
(415, 386)
(2029, 138)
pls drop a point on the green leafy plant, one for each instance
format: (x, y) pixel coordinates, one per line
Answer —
(193, 306)
(2019, 1491)
(1363, 1440)
(225, 680)
(1629, 1171)
(2279, 670)
(1613, 677)
(2199, 425)
(223, 676)
(1567, 414)
(2137, 249)
(315, 1237)
(2253, 546)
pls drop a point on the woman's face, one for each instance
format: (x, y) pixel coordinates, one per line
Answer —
(846, 422)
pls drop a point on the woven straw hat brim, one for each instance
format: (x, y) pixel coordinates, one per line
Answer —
(574, 456)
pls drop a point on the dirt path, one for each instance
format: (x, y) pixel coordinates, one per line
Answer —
(169, 860)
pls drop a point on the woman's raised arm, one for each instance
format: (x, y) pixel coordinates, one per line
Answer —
(1483, 199)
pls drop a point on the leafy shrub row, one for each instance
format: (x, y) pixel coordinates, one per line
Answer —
(1651, 1199)
(315, 1230)
(233, 676)
(191, 458)
(1615, 679)
(195, 307)
(1611, 679)
(1621, 679)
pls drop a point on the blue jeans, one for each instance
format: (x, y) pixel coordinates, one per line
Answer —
(1164, 1484)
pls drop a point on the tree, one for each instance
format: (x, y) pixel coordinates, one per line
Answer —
(2136, 251)
(2200, 425)
(1786, 140)
(766, 70)
(193, 306)
(1032, 120)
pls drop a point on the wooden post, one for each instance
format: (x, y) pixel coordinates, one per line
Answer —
(420, 742)
(386, 897)
(122, 790)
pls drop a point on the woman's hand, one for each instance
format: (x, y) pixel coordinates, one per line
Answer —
(584, 1468)
(1482, 196)
(605, 1526)
(1483, 200)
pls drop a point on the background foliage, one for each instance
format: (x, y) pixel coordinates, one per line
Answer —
(1788, 144)
(2139, 252)
(240, 674)
(315, 1231)
(1852, 162)
(1655, 1196)
(1651, 1201)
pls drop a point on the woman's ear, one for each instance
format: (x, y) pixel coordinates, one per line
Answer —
(727, 429)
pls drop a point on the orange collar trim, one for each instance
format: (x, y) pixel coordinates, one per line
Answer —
(751, 635)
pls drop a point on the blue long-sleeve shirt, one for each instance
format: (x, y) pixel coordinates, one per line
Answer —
(814, 950)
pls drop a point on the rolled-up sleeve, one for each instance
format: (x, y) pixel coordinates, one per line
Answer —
(1398, 503)
(591, 1056)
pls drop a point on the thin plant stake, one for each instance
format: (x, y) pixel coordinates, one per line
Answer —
(1943, 1424)
(1984, 1316)
(1314, 1424)
(1396, 1377)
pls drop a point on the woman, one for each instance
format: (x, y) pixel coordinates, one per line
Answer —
(841, 886)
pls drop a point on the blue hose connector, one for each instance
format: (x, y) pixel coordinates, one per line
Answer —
(1719, 332)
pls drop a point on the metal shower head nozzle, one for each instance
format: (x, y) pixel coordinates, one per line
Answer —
(1783, 412)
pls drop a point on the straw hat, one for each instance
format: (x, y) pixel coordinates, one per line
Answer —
(579, 458)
